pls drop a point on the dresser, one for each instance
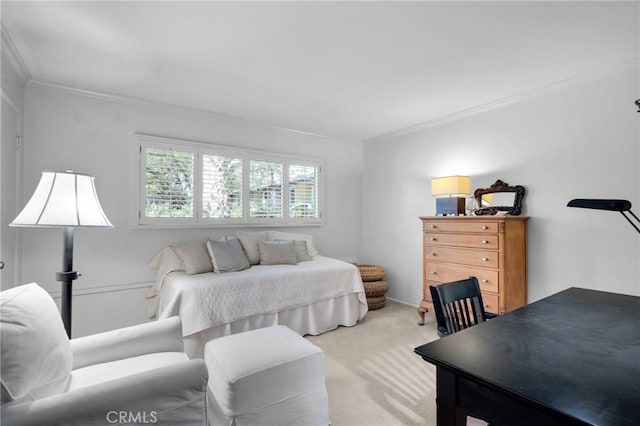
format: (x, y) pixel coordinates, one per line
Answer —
(491, 248)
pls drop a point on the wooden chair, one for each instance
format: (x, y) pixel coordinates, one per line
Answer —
(458, 305)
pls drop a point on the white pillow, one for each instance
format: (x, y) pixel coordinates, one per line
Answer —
(227, 255)
(311, 247)
(249, 242)
(36, 353)
(302, 253)
(166, 260)
(195, 256)
(277, 253)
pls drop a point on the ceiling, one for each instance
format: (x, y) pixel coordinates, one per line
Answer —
(350, 70)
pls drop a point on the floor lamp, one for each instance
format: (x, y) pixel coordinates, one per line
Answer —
(64, 200)
(621, 206)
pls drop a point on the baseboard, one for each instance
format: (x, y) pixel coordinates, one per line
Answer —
(402, 302)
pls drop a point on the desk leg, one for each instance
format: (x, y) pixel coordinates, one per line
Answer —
(448, 413)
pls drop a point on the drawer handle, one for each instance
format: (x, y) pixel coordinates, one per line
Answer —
(433, 239)
(485, 242)
(433, 254)
(486, 305)
(433, 273)
(485, 227)
(485, 259)
(433, 227)
(484, 280)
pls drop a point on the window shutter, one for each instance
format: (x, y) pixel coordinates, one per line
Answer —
(303, 191)
(221, 187)
(185, 183)
(168, 183)
(265, 197)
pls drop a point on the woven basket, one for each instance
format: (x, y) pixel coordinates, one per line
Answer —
(375, 288)
(376, 302)
(371, 272)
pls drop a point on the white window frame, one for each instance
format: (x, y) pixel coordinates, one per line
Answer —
(200, 149)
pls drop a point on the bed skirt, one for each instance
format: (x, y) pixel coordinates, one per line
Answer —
(313, 319)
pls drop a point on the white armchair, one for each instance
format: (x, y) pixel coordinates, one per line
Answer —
(135, 375)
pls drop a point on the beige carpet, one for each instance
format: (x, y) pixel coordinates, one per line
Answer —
(373, 376)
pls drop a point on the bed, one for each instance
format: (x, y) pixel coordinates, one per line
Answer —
(310, 297)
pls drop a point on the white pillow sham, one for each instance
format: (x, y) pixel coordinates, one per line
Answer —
(277, 253)
(250, 241)
(302, 253)
(311, 247)
(195, 256)
(227, 255)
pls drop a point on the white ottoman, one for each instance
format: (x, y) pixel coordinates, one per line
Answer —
(268, 376)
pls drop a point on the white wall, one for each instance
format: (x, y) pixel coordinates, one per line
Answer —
(12, 110)
(95, 135)
(579, 140)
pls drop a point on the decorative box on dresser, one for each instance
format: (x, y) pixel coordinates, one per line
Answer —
(491, 248)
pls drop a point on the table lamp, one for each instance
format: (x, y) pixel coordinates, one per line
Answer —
(621, 206)
(447, 190)
(64, 200)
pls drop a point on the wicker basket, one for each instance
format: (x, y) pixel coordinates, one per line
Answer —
(371, 272)
(376, 302)
(375, 288)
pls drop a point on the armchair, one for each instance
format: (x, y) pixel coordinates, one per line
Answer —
(133, 375)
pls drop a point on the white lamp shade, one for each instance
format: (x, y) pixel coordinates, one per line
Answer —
(63, 199)
(451, 185)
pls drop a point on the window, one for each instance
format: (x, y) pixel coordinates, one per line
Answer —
(303, 187)
(221, 187)
(169, 183)
(196, 184)
(265, 198)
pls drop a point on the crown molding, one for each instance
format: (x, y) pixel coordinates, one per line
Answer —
(147, 102)
(513, 99)
(13, 56)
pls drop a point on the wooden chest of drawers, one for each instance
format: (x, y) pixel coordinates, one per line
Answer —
(491, 248)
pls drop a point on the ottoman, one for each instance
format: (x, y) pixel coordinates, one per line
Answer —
(268, 376)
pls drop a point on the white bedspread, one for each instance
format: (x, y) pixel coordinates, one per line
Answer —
(209, 299)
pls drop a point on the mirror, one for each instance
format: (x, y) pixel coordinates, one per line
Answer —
(499, 198)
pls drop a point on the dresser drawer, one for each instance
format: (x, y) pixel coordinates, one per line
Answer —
(461, 227)
(483, 258)
(462, 240)
(446, 272)
(490, 303)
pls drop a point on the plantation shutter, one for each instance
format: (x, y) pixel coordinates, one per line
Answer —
(221, 187)
(168, 182)
(303, 191)
(265, 197)
(184, 183)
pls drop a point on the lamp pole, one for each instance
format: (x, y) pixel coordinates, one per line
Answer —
(66, 277)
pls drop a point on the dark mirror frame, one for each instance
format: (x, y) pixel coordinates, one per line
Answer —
(500, 186)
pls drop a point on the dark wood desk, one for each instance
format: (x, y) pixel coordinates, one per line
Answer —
(570, 359)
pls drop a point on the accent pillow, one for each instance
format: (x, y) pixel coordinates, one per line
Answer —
(300, 247)
(277, 253)
(36, 353)
(195, 256)
(166, 259)
(249, 242)
(227, 255)
(311, 247)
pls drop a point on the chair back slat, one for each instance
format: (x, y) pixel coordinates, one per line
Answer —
(458, 305)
